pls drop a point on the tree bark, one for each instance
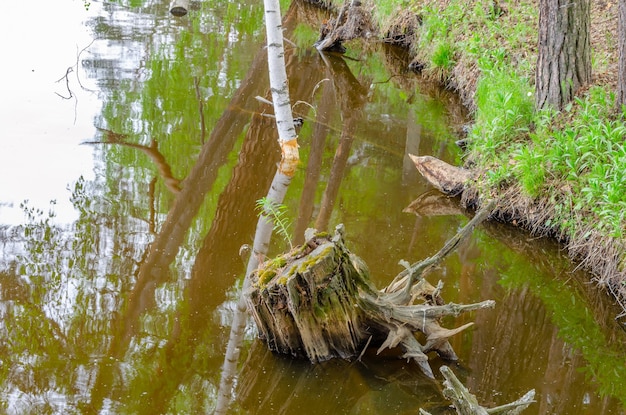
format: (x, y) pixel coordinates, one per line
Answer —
(279, 85)
(564, 51)
(317, 301)
(621, 74)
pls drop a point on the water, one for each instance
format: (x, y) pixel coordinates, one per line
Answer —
(133, 153)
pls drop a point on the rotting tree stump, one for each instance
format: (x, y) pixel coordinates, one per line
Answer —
(317, 301)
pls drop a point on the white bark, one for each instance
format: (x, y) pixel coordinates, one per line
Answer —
(287, 136)
(262, 236)
(287, 139)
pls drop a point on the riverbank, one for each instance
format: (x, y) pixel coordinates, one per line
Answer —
(559, 175)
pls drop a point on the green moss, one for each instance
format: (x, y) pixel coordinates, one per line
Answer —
(266, 276)
(318, 311)
(278, 262)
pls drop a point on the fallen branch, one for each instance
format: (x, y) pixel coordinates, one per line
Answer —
(466, 403)
(408, 277)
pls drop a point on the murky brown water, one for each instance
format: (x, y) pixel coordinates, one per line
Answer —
(117, 296)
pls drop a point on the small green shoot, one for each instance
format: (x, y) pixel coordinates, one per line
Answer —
(277, 213)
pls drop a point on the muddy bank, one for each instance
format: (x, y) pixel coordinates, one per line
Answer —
(600, 254)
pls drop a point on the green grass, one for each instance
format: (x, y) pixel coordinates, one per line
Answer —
(576, 158)
(443, 57)
(587, 157)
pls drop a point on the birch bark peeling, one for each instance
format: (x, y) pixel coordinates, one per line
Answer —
(279, 86)
(290, 157)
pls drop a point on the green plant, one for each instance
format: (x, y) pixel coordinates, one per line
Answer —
(443, 56)
(530, 167)
(277, 214)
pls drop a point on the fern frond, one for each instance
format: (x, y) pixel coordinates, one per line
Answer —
(277, 213)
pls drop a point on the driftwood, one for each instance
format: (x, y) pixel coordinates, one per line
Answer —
(448, 179)
(353, 21)
(466, 403)
(318, 302)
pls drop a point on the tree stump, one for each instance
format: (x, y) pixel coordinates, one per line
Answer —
(317, 301)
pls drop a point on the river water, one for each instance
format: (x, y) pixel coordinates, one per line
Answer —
(133, 152)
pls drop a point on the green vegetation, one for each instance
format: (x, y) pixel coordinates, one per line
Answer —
(572, 162)
(277, 213)
(587, 156)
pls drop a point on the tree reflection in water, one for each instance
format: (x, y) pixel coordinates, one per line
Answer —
(127, 309)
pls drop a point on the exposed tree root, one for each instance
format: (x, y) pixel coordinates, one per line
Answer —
(318, 302)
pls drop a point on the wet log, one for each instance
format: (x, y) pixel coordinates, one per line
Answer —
(317, 301)
(466, 403)
(179, 8)
(448, 179)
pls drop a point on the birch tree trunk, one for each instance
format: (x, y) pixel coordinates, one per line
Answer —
(279, 85)
(287, 139)
(262, 236)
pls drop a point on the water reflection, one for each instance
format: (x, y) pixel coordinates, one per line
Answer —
(127, 308)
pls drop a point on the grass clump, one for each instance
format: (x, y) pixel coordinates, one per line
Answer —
(504, 110)
(443, 58)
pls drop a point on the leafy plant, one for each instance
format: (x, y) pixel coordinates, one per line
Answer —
(277, 213)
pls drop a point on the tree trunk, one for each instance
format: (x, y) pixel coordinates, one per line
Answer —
(317, 302)
(621, 73)
(287, 137)
(564, 51)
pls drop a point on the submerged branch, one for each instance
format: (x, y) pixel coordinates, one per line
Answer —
(466, 403)
(403, 283)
